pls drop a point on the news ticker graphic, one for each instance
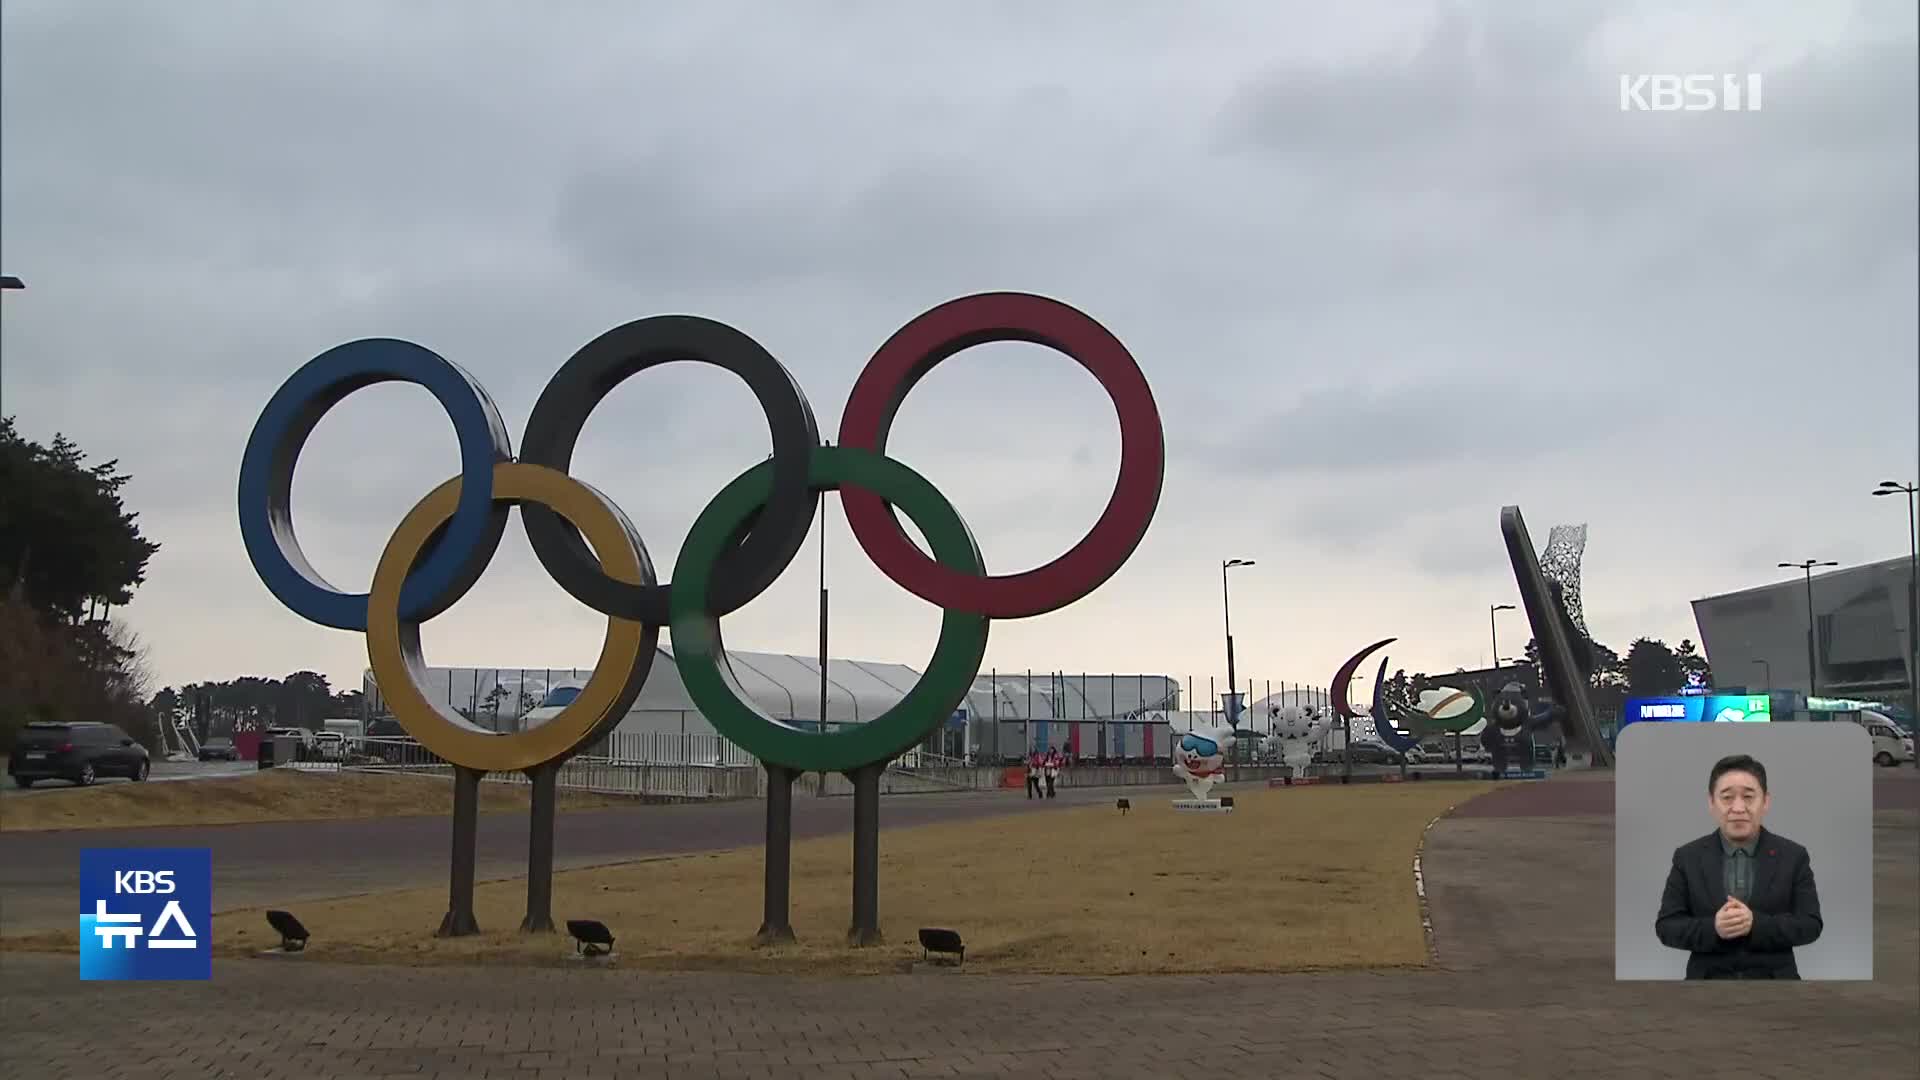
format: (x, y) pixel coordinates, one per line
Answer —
(146, 913)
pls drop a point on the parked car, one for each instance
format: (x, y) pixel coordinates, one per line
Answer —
(219, 748)
(1373, 753)
(79, 753)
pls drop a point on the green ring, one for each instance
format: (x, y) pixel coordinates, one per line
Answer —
(701, 656)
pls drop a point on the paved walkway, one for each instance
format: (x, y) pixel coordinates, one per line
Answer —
(1512, 997)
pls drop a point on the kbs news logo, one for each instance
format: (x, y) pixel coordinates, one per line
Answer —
(1690, 93)
(145, 913)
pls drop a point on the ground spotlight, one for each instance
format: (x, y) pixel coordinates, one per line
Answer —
(933, 939)
(293, 936)
(1123, 804)
(590, 937)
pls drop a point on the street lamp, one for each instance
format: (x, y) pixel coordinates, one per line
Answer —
(1894, 487)
(1494, 626)
(1806, 566)
(8, 281)
(1226, 612)
(823, 617)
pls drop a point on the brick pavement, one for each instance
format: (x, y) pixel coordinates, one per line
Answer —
(1510, 998)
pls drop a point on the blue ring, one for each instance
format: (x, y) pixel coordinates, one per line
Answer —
(464, 547)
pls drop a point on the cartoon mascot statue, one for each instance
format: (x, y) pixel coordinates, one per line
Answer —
(1511, 722)
(1295, 729)
(1200, 756)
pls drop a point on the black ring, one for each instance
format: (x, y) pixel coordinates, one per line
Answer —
(588, 377)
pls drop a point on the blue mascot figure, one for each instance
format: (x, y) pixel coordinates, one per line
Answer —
(1511, 722)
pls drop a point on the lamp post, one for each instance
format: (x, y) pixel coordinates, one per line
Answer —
(1893, 487)
(8, 281)
(1493, 625)
(1806, 566)
(823, 620)
(1226, 612)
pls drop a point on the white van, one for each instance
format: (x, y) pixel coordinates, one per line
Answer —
(351, 731)
(1891, 746)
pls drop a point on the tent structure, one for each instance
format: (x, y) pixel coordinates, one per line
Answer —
(1090, 715)
(784, 686)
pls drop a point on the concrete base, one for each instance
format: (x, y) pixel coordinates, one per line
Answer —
(1201, 806)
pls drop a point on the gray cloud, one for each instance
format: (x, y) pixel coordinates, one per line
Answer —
(1387, 269)
(1363, 428)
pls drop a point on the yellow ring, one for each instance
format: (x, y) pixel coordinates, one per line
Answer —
(393, 647)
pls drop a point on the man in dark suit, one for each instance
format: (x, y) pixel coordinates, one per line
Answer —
(1741, 898)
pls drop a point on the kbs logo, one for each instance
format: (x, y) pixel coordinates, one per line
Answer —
(1690, 93)
(145, 913)
(143, 881)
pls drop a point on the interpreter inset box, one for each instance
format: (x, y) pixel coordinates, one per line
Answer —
(1743, 851)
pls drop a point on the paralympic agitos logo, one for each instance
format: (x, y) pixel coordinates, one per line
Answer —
(736, 548)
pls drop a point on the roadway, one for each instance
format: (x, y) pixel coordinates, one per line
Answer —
(286, 862)
(161, 771)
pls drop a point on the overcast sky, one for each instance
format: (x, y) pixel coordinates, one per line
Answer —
(1388, 267)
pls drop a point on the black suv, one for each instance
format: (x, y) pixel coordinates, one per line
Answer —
(80, 753)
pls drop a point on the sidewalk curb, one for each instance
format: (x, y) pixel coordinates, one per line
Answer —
(1420, 886)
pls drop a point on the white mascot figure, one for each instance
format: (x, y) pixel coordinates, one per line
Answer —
(1296, 728)
(1200, 756)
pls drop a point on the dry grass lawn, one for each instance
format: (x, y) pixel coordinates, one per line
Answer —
(1295, 880)
(271, 795)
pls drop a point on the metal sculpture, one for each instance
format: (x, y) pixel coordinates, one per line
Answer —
(1556, 635)
(1447, 710)
(1560, 563)
(1383, 722)
(737, 547)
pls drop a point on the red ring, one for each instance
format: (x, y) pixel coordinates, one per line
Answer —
(916, 349)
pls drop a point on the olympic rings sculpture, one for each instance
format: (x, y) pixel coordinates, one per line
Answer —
(737, 547)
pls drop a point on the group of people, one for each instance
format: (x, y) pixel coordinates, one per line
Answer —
(1043, 772)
